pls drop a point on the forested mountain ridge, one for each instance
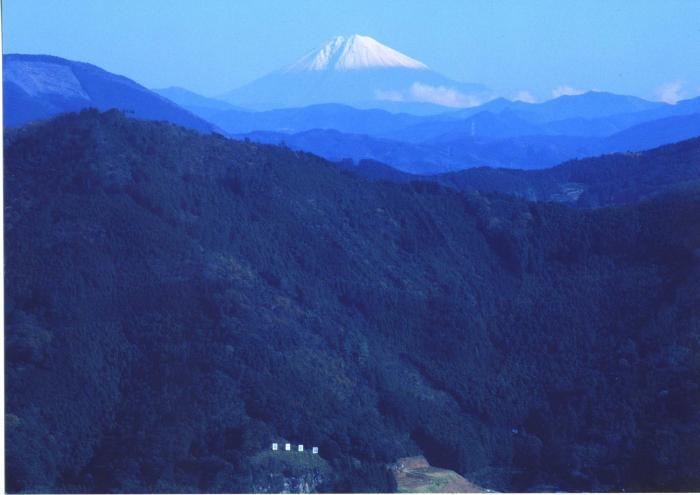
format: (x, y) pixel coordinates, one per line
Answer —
(177, 301)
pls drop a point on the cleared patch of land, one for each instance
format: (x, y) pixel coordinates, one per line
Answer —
(416, 475)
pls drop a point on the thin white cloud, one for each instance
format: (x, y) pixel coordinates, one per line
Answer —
(441, 95)
(565, 90)
(670, 92)
(524, 96)
(425, 93)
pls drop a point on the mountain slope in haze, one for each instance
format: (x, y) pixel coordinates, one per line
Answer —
(202, 106)
(175, 302)
(40, 86)
(186, 98)
(357, 71)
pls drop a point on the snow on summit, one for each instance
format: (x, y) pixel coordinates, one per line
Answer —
(357, 71)
(352, 53)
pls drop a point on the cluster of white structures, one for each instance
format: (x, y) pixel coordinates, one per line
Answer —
(288, 447)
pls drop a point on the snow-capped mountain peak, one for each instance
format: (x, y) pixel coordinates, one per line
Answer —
(353, 53)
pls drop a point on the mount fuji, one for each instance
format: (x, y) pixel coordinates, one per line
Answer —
(358, 71)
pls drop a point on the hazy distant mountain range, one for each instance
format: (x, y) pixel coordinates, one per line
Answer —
(449, 153)
(500, 133)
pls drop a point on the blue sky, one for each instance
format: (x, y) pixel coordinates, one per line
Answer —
(531, 48)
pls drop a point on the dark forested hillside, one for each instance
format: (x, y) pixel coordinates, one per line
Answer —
(614, 179)
(175, 302)
(590, 182)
